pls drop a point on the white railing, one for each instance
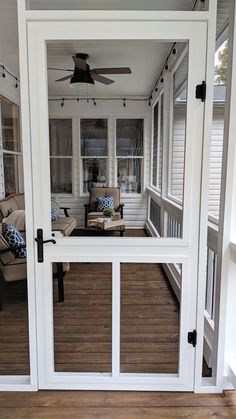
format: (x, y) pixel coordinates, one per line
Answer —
(165, 220)
(174, 228)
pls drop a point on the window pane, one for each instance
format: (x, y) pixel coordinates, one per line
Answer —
(129, 175)
(129, 137)
(10, 125)
(94, 173)
(179, 130)
(93, 137)
(155, 141)
(60, 133)
(11, 173)
(61, 175)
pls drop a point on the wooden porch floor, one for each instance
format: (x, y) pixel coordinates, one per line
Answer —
(83, 323)
(115, 405)
(149, 320)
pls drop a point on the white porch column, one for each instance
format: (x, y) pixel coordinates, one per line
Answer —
(225, 333)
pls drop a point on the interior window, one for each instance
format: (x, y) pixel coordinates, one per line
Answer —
(94, 153)
(12, 157)
(60, 133)
(129, 153)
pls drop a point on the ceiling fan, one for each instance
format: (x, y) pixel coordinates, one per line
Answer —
(83, 74)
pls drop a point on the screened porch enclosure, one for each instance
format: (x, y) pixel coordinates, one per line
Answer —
(122, 268)
(122, 139)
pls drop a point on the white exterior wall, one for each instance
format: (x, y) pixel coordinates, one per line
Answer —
(216, 160)
(135, 210)
(215, 157)
(177, 155)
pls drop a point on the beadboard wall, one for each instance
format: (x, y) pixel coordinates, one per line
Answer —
(135, 210)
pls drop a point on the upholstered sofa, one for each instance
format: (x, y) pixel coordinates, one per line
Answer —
(91, 208)
(14, 269)
(64, 224)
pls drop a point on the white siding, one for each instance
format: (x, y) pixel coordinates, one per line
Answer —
(177, 172)
(177, 155)
(135, 210)
(216, 160)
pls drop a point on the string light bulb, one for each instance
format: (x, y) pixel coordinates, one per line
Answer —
(62, 102)
(124, 103)
(16, 84)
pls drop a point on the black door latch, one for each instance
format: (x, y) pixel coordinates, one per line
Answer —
(192, 338)
(40, 242)
(201, 91)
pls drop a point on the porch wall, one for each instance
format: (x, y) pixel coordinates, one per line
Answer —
(135, 210)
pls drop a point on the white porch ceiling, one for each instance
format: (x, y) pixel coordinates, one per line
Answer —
(111, 4)
(144, 63)
(145, 58)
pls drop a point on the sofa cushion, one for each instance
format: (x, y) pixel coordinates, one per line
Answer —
(20, 200)
(14, 239)
(16, 219)
(16, 270)
(64, 224)
(7, 206)
(104, 203)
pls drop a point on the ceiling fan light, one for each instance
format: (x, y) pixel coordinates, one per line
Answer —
(81, 76)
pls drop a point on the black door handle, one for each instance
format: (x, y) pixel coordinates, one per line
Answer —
(40, 242)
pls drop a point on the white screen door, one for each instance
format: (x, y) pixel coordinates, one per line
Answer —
(120, 326)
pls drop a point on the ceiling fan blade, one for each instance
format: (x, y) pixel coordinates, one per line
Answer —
(101, 79)
(112, 70)
(79, 63)
(65, 78)
(59, 69)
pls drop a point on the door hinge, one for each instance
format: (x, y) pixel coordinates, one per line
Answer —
(201, 91)
(192, 338)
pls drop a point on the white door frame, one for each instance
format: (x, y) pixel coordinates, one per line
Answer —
(49, 27)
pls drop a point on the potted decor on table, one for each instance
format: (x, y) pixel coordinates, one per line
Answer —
(109, 213)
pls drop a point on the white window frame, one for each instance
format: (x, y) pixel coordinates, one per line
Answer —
(142, 158)
(19, 180)
(107, 158)
(72, 157)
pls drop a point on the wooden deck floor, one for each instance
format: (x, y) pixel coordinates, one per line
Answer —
(83, 323)
(115, 405)
(149, 320)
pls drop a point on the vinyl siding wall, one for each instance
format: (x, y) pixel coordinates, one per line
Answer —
(216, 160)
(177, 172)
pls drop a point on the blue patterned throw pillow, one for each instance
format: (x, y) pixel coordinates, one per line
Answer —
(104, 203)
(14, 239)
(53, 215)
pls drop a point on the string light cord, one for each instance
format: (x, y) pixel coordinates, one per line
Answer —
(5, 71)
